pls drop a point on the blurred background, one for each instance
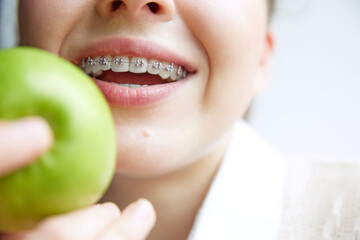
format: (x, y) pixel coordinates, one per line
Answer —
(312, 106)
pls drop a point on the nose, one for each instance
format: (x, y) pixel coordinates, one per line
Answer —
(161, 9)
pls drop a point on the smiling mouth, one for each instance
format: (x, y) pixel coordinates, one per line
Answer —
(132, 72)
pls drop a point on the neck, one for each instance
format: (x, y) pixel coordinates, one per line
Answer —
(176, 196)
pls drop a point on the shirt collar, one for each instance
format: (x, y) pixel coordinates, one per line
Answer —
(245, 198)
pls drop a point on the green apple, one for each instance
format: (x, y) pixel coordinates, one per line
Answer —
(79, 167)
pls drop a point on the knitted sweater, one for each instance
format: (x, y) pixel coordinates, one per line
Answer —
(322, 199)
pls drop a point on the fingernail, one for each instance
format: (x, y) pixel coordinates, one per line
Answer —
(111, 209)
(140, 211)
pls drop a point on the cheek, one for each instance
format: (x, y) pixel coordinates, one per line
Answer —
(233, 34)
(226, 28)
(45, 24)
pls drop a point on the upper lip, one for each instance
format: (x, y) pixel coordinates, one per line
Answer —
(131, 48)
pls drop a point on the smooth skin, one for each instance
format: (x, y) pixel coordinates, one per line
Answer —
(23, 141)
(170, 152)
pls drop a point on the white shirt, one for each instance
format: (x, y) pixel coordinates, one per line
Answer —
(245, 199)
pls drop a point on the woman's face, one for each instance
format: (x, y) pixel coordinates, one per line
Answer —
(224, 45)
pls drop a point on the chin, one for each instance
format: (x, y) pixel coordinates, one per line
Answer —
(140, 163)
(147, 156)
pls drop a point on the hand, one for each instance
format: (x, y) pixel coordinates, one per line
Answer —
(99, 222)
(22, 142)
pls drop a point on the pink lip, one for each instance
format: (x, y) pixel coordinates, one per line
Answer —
(143, 96)
(131, 48)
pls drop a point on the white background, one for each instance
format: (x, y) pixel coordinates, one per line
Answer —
(313, 103)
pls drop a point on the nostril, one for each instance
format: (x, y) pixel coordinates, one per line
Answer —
(154, 7)
(116, 5)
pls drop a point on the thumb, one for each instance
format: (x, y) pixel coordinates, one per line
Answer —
(136, 222)
(22, 142)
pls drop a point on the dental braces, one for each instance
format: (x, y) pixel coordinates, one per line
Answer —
(138, 63)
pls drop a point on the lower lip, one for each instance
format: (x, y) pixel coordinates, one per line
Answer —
(142, 96)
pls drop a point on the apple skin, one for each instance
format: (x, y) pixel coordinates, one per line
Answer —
(79, 167)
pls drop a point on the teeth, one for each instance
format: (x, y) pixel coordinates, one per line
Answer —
(174, 73)
(83, 63)
(165, 71)
(180, 72)
(136, 85)
(138, 65)
(121, 84)
(97, 67)
(89, 65)
(120, 64)
(97, 74)
(88, 69)
(169, 71)
(105, 63)
(130, 85)
(154, 67)
(90, 61)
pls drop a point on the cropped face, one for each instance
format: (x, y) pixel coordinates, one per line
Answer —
(192, 66)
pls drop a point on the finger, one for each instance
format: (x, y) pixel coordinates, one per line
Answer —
(135, 223)
(82, 224)
(22, 142)
(16, 236)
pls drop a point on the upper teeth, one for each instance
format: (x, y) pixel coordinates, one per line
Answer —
(165, 70)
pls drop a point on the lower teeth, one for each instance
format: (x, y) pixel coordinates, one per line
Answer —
(130, 85)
